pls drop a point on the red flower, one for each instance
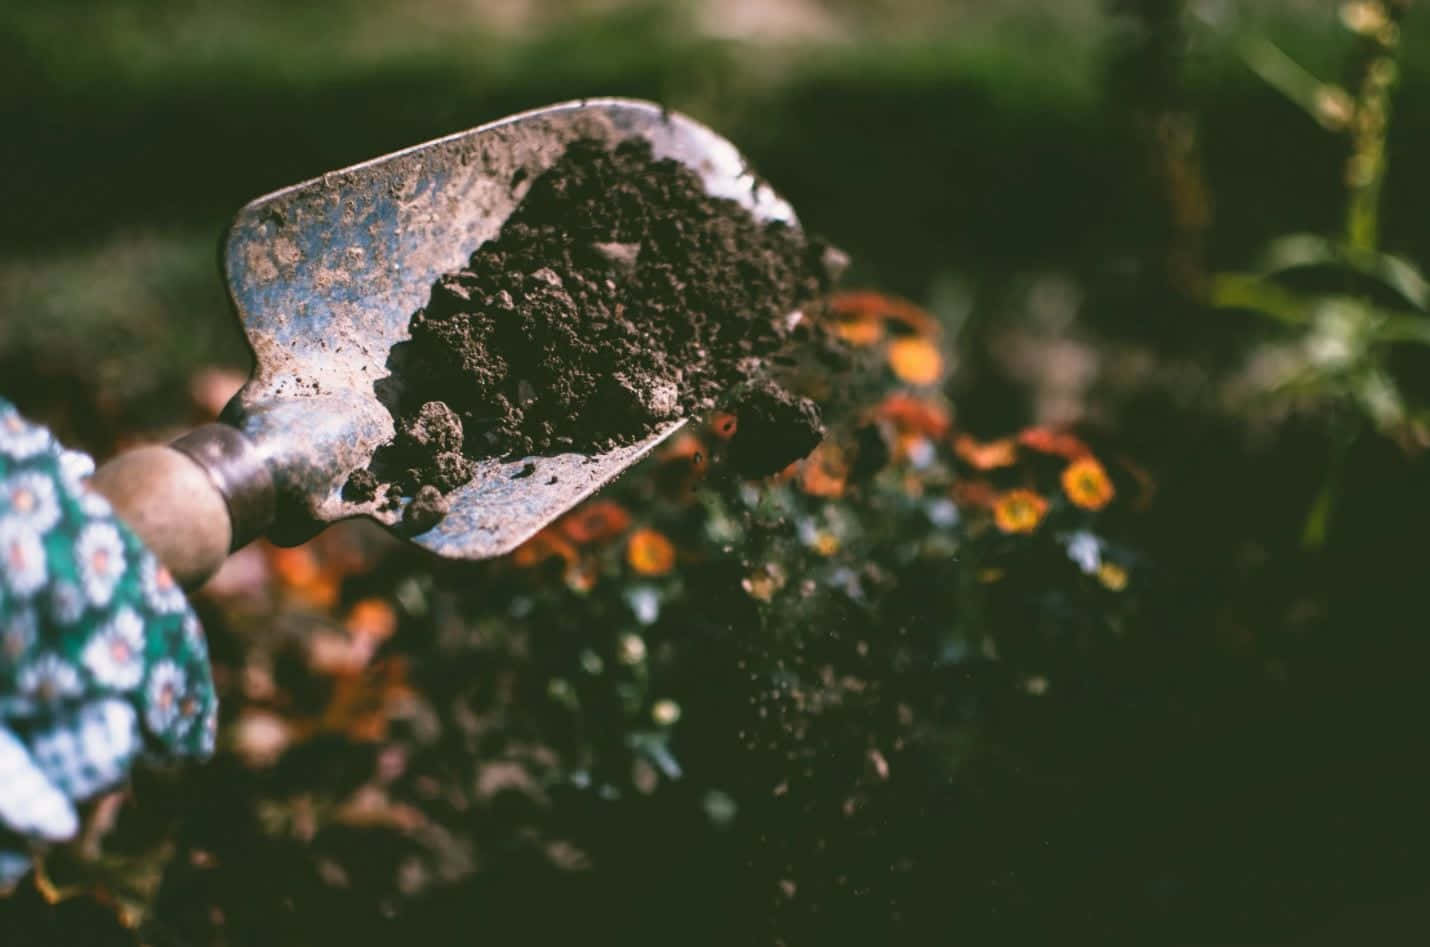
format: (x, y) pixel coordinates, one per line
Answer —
(1046, 440)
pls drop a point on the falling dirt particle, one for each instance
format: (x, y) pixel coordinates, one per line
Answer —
(774, 429)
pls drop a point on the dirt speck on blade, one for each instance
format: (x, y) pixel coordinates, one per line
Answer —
(425, 511)
(618, 295)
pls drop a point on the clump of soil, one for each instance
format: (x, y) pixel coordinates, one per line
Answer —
(426, 509)
(617, 296)
(774, 428)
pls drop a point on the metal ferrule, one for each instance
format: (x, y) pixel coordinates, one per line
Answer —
(239, 472)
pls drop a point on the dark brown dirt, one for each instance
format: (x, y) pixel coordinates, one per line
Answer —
(426, 509)
(773, 428)
(617, 296)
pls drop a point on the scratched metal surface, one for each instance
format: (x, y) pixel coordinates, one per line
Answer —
(325, 276)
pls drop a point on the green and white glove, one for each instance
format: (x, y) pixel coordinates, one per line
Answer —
(101, 658)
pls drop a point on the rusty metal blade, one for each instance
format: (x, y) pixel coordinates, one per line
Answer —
(325, 276)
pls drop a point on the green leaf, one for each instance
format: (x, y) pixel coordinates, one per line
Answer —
(1401, 327)
(1400, 275)
(1298, 250)
(1330, 105)
(1301, 249)
(1252, 293)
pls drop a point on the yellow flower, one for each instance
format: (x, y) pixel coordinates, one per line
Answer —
(764, 582)
(1087, 484)
(1113, 576)
(1019, 511)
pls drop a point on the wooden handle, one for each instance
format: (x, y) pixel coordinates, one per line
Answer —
(173, 505)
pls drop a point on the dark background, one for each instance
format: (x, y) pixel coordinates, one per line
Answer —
(1249, 767)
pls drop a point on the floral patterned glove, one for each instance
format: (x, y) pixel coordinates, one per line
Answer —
(101, 658)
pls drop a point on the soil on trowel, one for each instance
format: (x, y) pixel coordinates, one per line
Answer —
(618, 296)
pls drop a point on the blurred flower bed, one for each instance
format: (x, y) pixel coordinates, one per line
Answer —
(722, 656)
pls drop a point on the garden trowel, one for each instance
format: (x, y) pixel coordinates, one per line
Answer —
(324, 278)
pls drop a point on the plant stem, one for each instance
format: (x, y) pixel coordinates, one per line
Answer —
(1318, 520)
(1378, 23)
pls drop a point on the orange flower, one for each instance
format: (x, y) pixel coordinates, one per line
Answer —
(1087, 484)
(650, 553)
(823, 472)
(594, 522)
(915, 359)
(361, 704)
(722, 425)
(682, 463)
(542, 547)
(371, 619)
(863, 306)
(860, 333)
(295, 566)
(684, 447)
(913, 414)
(855, 304)
(1046, 440)
(986, 456)
(1019, 511)
(911, 317)
(299, 570)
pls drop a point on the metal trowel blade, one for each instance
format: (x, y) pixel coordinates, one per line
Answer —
(326, 275)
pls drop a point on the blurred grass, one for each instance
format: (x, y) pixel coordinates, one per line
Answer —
(191, 115)
(925, 138)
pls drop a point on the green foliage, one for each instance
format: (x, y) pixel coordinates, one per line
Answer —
(1348, 302)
